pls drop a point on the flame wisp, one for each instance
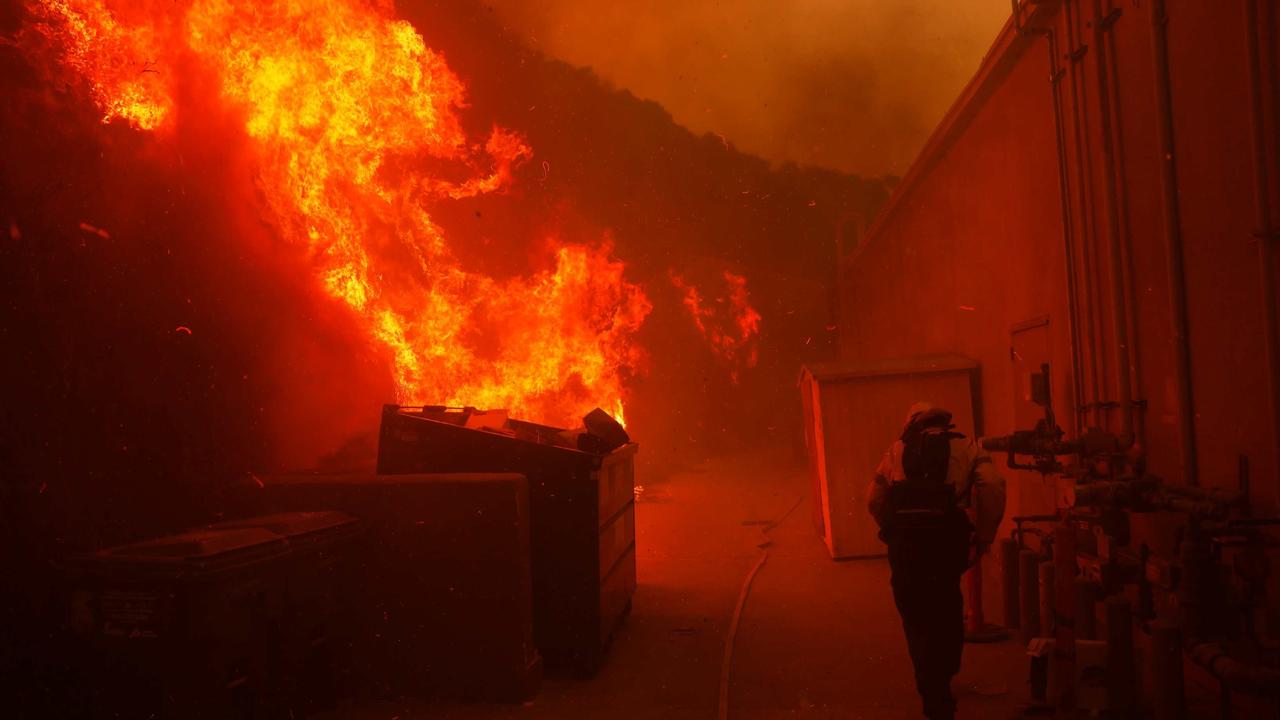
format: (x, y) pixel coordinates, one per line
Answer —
(344, 107)
(729, 324)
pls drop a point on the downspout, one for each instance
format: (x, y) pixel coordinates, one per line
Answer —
(1064, 199)
(1119, 306)
(1173, 245)
(1265, 231)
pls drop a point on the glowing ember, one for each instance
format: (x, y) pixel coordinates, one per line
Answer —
(730, 325)
(344, 106)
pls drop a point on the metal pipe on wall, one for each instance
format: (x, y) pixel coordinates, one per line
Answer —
(1119, 308)
(1047, 574)
(1173, 245)
(1168, 693)
(1009, 581)
(1126, 226)
(1086, 619)
(1029, 595)
(1267, 235)
(1092, 245)
(1065, 570)
(1083, 171)
(1064, 200)
(1121, 679)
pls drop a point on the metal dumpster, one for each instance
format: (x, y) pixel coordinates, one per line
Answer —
(443, 605)
(178, 627)
(312, 665)
(582, 511)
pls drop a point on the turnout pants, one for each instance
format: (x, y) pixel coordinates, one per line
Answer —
(927, 564)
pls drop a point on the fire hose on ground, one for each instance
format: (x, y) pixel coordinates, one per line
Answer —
(726, 665)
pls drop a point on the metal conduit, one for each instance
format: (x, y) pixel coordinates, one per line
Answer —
(1075, 53)
(1064, 199)
(1126, 225)
(1266, 233)
(1173, 246)
(1119, 308)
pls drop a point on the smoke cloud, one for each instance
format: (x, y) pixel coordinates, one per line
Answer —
(852, 85)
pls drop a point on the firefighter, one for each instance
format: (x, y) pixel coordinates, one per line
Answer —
(920, 497)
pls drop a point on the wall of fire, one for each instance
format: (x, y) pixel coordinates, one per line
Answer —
(1102, 198)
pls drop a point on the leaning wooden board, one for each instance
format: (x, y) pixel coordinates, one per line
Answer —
(853, 412)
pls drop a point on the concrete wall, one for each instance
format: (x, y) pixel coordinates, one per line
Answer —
(970, 257)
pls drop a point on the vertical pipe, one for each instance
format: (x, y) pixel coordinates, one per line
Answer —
(1028, 595)
(1121, 676)
(1086, 228)
(1166, 671)
(1173, 245)
(1126, 247)
(1068, 234)
(1086, 619)
(1194, 587)
(1266, 233)
(1119, 308)
(1009, 581)
(1047, 572)
(1064, 601)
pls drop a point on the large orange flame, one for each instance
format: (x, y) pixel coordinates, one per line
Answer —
(344, 107)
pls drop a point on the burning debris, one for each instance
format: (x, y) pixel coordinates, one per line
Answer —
(598, 432)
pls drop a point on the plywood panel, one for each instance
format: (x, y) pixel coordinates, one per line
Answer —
(858, 418)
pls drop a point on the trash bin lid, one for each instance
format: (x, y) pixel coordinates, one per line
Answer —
(293, 525)
(205, 550)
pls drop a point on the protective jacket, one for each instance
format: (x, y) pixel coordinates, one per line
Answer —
(970, 472)
(920, 496)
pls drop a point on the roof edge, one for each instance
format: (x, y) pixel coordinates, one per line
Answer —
(1007, 49)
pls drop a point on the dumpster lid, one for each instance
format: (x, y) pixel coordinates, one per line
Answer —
(484, 421)
(293, 524)
(207, 550)
(519, 431)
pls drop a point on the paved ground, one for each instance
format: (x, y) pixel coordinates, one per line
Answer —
(818, 639)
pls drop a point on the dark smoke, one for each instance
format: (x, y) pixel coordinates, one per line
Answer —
(854, 85)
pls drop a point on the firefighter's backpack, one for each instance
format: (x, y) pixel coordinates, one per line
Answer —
(924, 499)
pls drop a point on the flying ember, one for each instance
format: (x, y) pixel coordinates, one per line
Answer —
(345, 107)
